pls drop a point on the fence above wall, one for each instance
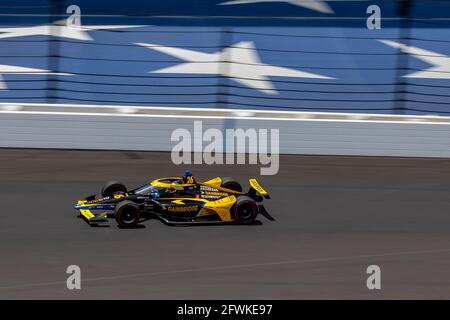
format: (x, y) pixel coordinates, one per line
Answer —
(268, 56)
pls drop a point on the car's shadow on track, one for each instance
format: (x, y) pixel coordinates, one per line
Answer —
(203, 224)
(178, 224)
(138, 226)
(199, 225)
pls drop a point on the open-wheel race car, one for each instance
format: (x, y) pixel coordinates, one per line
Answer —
(175, 201)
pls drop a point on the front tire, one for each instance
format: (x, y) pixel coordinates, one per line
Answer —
(245, 210)
(113, 187)
(127, 214)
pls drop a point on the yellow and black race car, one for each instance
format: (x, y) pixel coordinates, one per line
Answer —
(176, 200)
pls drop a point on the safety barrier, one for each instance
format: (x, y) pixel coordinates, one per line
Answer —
(150, 128)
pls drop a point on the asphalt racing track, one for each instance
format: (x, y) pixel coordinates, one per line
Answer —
(334, 217)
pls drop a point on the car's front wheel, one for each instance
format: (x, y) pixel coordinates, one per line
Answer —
(113, 187)
(127, 214)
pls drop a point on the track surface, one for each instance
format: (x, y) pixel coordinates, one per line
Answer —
(335, 216)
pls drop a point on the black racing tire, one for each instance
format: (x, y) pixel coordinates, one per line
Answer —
(232, 184)
(244, 210)
(127, 214)
(112, 187)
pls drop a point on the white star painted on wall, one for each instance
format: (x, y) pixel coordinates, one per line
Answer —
(316, 5)
(239, 62)
(440, 63)
(57, 29)
(7, 69)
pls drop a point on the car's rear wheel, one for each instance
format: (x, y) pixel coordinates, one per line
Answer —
(113, 187)
(244, 210)
(230, 183)
(127, 214)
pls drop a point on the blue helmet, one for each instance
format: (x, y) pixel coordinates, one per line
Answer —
(187, 177)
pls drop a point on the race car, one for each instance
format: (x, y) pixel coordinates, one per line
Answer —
(175, 201)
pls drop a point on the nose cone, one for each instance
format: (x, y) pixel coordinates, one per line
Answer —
(80, 204)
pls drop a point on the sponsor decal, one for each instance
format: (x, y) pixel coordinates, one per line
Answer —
(205, 188)
(226, 200)
(213, 193)
(182, 209)
(210, 197)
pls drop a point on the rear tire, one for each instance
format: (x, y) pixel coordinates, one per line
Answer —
(232, 184)
(112, 187)
(244, 210)
(127, 214)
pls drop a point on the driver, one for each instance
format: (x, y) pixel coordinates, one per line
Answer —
(188, 177)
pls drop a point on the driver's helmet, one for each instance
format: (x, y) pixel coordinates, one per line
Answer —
(188, 177)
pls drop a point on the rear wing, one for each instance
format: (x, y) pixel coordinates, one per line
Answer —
(255, 187)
